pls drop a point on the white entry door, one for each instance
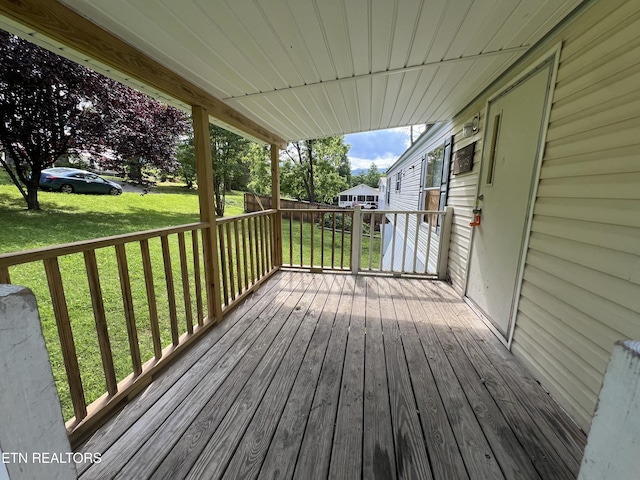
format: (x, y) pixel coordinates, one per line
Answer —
(513, 132)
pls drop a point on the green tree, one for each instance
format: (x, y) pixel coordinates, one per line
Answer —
(372, 177)
(309, 169)
(187, 159)
(259, 160)
(228, 152)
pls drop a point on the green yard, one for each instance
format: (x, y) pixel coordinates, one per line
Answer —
(69, 218)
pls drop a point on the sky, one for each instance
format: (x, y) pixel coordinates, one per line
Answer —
(381, 146)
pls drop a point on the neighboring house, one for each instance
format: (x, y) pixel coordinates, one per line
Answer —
(418, 181)
(359, 195)
(553, 267)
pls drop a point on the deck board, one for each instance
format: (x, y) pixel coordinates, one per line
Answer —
(280, 459)
(412, 460)
(222, 337)
(315, 449)
(378, 449)
(335, 376)
(346, 453)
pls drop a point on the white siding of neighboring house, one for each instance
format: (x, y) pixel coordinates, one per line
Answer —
(581, 287)
(409, 198)
(355, 191)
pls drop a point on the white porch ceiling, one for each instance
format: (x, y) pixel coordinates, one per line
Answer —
(313, 68)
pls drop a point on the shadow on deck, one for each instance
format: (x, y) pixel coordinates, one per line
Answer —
(328, 375)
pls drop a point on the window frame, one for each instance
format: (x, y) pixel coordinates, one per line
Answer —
(442, 187)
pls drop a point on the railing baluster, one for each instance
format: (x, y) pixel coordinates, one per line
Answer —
(267, 243)
(344, 226)
(251, 249)
(322, 240)
(243, 227)
(290, 239)
(223, 264)
(195, 250)
(415, 243)
(383, 225)
(238, 262)
(426, 260)
(100, 318)
(404, 241)
(256, 230)
(333, 239)
(301, 236)
(4, 275)
(151, 298)
(171, 293)
(232, 283)
(263, 245)
(393, 241)
(372, 223)
(312, 238)
(268, 226)
(186, 289)
(67, 345)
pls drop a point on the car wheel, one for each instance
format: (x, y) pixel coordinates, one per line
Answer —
(66, 188)
(114, 191)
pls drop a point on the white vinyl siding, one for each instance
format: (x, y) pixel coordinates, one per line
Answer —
(409, 198)
(462, 195)
(581, 288)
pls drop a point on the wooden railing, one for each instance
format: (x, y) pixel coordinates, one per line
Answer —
(247, 251)
(144, 297)
(317, 239)
(408, 241)
(130, 279)
(398, 241)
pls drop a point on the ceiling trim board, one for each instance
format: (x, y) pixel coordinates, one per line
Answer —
(506, 51)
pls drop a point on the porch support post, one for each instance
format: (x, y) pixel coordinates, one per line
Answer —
(204, 173)
(275, 204)
(612, 446)
(443, 245)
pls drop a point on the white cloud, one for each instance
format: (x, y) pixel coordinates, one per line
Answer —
(380, 146)
(383, 162)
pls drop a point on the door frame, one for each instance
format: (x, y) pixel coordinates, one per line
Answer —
(552, 56)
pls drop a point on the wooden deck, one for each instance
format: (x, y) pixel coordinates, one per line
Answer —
(331, 376)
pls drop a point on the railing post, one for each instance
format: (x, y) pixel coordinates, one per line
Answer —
(356, 239)
(612, 446)
(204, 172)
(275, 204)
(443, 244)
(30, 413)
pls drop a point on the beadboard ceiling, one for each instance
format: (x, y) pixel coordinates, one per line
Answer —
(313, 68)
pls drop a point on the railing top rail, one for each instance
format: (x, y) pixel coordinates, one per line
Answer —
(26, 256)
(339, 209)
(316, 210)
(223, 220)
(419, 212)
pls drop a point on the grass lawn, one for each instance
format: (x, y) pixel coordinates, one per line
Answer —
(69, 218)
(291, 235)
